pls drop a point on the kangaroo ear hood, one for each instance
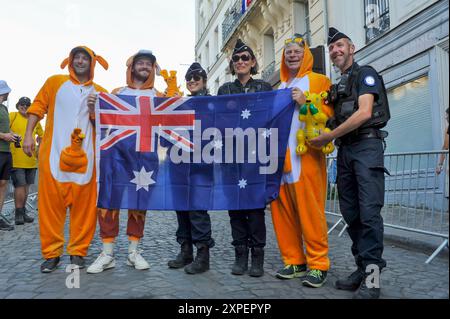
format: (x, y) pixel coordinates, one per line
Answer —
(305, 68)
(150, 82)
(94, 59)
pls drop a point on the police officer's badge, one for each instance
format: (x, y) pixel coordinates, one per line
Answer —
(369, 80)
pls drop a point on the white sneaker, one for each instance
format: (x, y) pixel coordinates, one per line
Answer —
(137, 261)
(102, 262)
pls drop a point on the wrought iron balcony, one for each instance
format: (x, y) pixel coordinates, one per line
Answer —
(377, 20)
(232, 18)
(268, 71)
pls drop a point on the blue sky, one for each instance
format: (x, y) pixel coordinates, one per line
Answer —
(37, 35)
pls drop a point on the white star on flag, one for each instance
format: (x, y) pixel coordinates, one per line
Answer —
(242, 183)
(267, 133)
(245, 114)
(142, 179)
(217, 144)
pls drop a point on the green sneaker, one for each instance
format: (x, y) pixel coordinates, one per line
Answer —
(291, 271)
(315, 278)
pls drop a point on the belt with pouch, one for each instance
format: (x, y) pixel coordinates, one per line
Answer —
(361, 134)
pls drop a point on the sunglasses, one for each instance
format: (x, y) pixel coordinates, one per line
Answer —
(244, 57)
(196, 77)
(294, 40)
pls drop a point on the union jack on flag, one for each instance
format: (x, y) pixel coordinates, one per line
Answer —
(124, 116)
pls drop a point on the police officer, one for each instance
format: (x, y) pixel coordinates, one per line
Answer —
(194, 227)
(248, 227)
(361, 109)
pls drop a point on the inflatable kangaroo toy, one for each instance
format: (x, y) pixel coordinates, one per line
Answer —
(171, 80)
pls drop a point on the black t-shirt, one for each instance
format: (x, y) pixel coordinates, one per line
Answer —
(368, 82)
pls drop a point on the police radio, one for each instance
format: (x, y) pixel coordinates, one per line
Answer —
(342, 89)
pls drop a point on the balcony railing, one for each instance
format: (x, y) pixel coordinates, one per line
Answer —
(377, 20)
(268, 71)
(232, 18)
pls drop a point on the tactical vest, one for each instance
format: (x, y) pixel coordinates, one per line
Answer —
(347, 102)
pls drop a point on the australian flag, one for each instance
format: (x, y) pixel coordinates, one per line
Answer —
(191, 153)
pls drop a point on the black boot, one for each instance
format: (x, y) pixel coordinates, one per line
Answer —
(352, 282)
(184, 258)
(27, 218)
(19, 219)
(365, 292)
(241, 260)
(201, 262)
(257, 268)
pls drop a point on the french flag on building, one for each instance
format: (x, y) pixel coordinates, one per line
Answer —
(245, 5)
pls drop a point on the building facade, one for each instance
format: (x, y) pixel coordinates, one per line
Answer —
(264, 25)
(405, 40)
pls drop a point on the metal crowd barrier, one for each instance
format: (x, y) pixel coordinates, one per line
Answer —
(416, 197)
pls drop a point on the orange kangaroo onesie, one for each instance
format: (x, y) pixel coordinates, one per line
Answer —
(63, 100)
(299, 212)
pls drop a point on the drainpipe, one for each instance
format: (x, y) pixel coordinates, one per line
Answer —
(325, 18)
(328, 66)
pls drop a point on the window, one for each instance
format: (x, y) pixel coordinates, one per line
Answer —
(206, 58)
(410, 126)
(269, 55)
(307, 34)
(216, 85)
(301, 20)
(377, 19)
(216, 49)
(202, 23)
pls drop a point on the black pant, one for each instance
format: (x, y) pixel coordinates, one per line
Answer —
(194, 227)
(360, 181)
(6, 164)
(248, 227)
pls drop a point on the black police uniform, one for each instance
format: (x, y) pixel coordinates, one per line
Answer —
(360, 165)
(195, 226)
(248, 227)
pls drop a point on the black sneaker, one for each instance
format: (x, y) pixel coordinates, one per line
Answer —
(315, 278)
(4, 223)
(77, 261)
(291, 271)
(50, 265)
(365, 292)
(352, 282)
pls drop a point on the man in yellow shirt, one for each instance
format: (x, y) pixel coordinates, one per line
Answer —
(24, 167)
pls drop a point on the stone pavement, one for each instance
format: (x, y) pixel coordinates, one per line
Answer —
(407, 276)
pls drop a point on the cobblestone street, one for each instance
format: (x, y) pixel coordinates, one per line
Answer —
(407, 276)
